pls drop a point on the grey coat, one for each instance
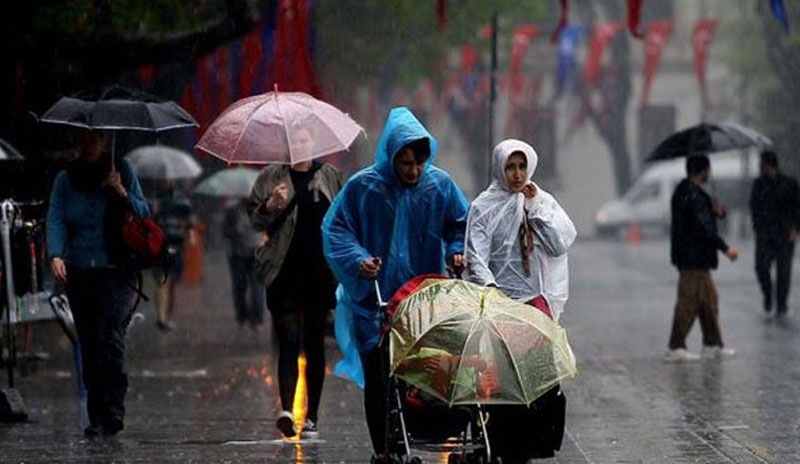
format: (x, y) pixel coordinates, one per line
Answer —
(278, 228)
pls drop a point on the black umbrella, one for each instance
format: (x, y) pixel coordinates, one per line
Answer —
(116, 108)
(707, 138)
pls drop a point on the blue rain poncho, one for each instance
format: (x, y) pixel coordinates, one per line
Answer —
(412, 229)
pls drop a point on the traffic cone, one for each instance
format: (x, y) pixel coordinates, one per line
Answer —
(633, 234)
(193, 254)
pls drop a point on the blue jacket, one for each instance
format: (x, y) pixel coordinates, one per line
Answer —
(412, 229)
(75, 227)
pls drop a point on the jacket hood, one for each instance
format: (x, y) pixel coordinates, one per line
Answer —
(500, 156)
(401, 128)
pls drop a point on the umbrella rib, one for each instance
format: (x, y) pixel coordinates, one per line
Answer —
(464, 350)
(513, 361)
(285, 125)
(241, 134)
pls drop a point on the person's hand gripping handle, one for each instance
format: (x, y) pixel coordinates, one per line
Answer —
(369, 268)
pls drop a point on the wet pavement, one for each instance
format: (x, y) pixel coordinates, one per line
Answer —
(207, 391)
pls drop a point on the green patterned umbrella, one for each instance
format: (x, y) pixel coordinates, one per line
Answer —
(468, 344)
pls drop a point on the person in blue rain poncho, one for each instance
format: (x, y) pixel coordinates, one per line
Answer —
(394, 220)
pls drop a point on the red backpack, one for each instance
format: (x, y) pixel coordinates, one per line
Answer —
(144, 239)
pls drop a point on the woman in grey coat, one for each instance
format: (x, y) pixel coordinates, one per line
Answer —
(287, 204)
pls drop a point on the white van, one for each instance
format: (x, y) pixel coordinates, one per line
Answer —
(647, 201)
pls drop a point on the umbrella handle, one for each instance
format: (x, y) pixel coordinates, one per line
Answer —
(113, 150)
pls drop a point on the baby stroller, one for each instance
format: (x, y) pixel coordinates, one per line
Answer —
(456, 350)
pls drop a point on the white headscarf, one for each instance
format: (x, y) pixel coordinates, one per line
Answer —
(493, 249)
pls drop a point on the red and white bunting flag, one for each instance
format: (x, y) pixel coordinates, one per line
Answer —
(602, 33)
(521, 40)
(701, 41)
(656, 37)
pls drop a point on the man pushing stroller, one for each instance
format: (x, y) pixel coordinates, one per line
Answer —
(394, 220)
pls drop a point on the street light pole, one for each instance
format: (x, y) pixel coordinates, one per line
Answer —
(492, 93)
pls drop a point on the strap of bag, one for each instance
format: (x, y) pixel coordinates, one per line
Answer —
(137, 288)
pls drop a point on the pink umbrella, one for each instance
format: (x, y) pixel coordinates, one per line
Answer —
(281, 128)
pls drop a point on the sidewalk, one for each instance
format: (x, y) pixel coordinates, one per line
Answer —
(203, 393)
(207, 393)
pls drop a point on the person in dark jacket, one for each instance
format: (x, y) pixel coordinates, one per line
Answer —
(172, 210)
(84, 259)
(243, 240)
(775, 211)
(694, 246)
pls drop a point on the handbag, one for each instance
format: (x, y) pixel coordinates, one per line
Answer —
(143, 238)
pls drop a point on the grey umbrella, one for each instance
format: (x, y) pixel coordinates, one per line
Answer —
(163, 162)
(232, 182)
(9, 153)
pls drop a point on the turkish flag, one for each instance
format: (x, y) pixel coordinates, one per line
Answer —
(521, 40)
(656, 37)
(701, 41)
(602, 34)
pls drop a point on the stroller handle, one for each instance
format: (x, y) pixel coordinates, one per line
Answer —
(382, 304)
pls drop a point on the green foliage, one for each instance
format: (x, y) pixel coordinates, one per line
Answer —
(766, 59)
(127, 17)
(362, 40)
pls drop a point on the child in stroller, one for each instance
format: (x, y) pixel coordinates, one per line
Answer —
(419, 419)
(436, 397)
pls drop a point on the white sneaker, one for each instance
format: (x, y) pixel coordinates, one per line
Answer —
(717, 352)
(285, 424)
(680, 355)
(309, 430)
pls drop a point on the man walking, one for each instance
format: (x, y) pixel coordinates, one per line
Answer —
(694, 244)
(775, 210)
(392, 221)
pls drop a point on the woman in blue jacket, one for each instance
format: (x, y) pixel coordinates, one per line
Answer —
(81, 245)
(392, 221)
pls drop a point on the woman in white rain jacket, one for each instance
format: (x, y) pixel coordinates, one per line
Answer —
(517, 240)
(527, 259)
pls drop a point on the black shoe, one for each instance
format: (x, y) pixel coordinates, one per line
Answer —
(165, 326)
(92, 431)
(112, 426)
(285, 424)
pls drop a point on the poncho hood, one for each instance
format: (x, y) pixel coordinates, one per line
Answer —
(401, 128)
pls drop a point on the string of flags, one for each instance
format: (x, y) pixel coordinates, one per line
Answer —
(634, 12)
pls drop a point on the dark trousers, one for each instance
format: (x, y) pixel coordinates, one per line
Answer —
(697, 298)
(518, 432)
(248, 292)
(100, 300)
(299, 320)
(780, 252)
(375, 364)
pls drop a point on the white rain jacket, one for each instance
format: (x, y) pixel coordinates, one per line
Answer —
(493, 248)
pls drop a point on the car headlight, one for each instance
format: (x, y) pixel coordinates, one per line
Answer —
(601, 217)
